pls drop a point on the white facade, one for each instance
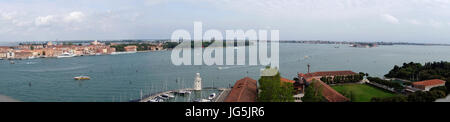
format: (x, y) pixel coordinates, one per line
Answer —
(10, 55)
(198, 82)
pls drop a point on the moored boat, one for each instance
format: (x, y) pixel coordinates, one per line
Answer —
(212, 96)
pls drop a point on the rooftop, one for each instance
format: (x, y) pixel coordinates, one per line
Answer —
(430, 82)
(327, 73)
(330, 94)
(286, 80)
(244, 90)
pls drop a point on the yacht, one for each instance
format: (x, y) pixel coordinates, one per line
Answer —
(65, 55)
(212, 96)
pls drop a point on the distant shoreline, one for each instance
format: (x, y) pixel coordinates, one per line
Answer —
(7, 99)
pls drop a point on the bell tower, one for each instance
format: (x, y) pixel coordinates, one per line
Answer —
(309, 68)
(198, 82)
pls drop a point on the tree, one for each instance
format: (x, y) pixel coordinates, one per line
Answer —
(272, 90)
(447, 85)
(313, 93)
(399, 98)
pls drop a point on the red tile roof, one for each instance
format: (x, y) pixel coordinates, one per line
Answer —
(244, 90)
(430, 82)
(327, 73)
(330, 94)
(286, 80)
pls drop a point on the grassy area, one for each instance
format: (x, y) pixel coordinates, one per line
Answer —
(362, 92)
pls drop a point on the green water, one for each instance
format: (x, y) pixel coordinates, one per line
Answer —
(122, 77)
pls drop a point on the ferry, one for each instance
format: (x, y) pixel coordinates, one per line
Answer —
(82, 78)
(66, 55)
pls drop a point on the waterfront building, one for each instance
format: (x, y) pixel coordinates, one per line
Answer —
(49, 44)
(131, 48)
(10, 55)
(198, 82)
(244, 90)
(329, 93)
(95, 43)
(428, 84)
(332, 74)
(3, 54)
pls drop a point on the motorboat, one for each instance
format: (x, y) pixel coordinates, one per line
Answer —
(182, 92)
(202, 100)
(156, 100)
(212, 96)
(167, 96)
(82, 78)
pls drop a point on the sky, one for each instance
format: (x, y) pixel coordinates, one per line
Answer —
(423, 21)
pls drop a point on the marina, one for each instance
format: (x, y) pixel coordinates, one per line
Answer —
(122, 78)
(194, 96)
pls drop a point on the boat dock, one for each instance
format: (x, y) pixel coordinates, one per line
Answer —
(220, 98)
(223, 94)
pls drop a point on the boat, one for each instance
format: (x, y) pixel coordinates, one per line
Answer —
(153, 100)
(202, 100)
(167, 96)
(156, 100)
(66, 55)
(183, 92)
(82, 78)
(212, 96)
(163, 97)
(12, 62)
(160, 100)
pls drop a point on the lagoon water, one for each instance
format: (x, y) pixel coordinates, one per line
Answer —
(122, 77)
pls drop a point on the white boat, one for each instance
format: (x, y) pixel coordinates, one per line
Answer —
(156, 100)
(66, 55)
(167, 96)
(184, 92)
(202, 100)
(153, 100)
(212, 96)
(82, 78)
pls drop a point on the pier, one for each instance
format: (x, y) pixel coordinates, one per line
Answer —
(219, 98)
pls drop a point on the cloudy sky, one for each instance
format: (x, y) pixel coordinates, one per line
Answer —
(341, 20)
